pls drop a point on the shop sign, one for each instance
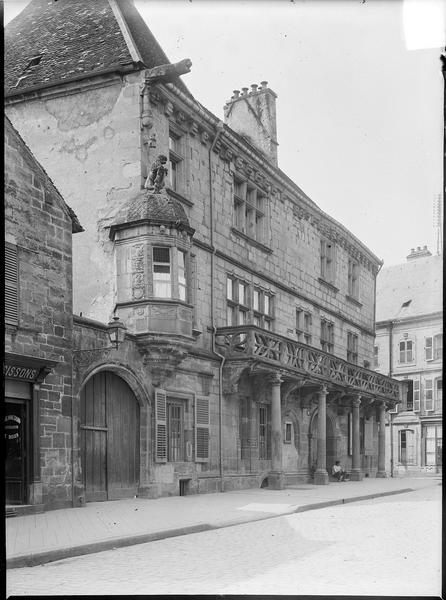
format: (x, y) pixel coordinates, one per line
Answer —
(12, 427)
(20, 372)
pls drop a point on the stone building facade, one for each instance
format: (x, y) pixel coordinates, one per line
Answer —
(409, 347)
(38, 329)
(249, 312)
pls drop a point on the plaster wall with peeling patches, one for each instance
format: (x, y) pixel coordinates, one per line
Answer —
(89, 142)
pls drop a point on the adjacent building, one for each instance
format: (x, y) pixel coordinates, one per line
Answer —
(409, 347)
(249, 313)
(38, 331)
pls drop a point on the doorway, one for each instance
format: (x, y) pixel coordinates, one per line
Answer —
(15, 427)
(109, 416)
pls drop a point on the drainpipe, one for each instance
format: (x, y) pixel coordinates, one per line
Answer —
(391, 324)
(214, 329)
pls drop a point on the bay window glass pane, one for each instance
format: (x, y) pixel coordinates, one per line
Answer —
(255, 300)
(229, 288)
(181, 276)
(241, 293)
(161, 273)
(266, 304)
(241, 317)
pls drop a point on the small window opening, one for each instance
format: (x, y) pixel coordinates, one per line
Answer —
(406, 304)
(33, 62)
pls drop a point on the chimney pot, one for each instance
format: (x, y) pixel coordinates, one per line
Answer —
(412, 250)
(244, 91)
(424, 247)
(264, 84)
(254, 87)
(236, 94)
(418, 248)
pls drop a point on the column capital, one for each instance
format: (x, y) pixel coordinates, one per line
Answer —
(323, 390)
(275, 378)
(356, 401)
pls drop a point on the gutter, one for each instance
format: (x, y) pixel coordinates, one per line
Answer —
(219, 127)
(391, 324)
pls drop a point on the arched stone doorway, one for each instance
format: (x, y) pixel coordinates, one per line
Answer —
(109, 440)
(331, 444)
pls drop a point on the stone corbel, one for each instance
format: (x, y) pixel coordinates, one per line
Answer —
(162, 360)
(232, 373)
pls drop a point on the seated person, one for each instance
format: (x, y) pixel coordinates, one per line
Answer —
(338, 472)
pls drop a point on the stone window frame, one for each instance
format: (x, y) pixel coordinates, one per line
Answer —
(304, 323)
(177, 157)
(263, 315)
(327, 335)
(352, 347)
(175, 283)
(327, 260)
(433, 347)
(404, 352)
(353, 278)
(288, 428)
(250, 198)
(237, 308)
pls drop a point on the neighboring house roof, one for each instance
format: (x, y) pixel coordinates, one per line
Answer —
(416, 284)
(52, 42)
(76, 227)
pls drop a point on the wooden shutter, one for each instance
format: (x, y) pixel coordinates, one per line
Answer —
(201, 429)
(428, 394)
(160, 426)
(11, 284)
(416, 395)
(428, 348)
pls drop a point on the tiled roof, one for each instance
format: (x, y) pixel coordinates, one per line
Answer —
(417, 284)
(76, 227)
(54, 41)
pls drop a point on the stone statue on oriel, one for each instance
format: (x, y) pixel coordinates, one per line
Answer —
(155, 181)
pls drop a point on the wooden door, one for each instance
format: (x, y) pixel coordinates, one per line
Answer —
(109, 438)
(94, 438)
(122, 439)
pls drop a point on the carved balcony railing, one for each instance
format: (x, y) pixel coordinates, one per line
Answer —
(267, 347)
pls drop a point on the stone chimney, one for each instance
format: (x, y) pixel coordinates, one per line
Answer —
(418, 253)
(252, 114)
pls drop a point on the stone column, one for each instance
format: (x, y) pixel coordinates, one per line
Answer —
(356, 474)
(276, 478)
(382, 441)
(321, 475)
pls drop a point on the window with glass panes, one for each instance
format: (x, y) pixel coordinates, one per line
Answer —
(175, 160)
(264, 431)
(353, 278)
(304, 322)
(237, 301)
(262, 306)
(249, 209)
(432, 436)
(434, 347)
(439, 392)
(327, 335)
(162, 276)
(182, 290)
(352, 347)
(175, 431)
(376, 356)
(327, 260)
(406, 353)
(428, 394)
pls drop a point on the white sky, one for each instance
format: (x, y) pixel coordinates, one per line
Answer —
(360, 96)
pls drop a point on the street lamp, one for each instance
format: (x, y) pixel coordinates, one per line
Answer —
(116, 331)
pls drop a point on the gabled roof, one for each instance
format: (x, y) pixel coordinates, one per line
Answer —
(411, 289)
(76, 227)
(51, 42)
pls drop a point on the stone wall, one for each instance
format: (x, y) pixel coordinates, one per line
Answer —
(38, 223)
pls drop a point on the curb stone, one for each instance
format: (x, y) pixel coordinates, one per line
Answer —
(41, 558)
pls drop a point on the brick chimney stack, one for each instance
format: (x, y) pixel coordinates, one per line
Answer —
(418, 253)
(252, 114)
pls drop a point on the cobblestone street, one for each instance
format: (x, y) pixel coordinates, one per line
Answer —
(387, 546)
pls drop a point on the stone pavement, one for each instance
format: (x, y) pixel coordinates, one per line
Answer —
(45, 537)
